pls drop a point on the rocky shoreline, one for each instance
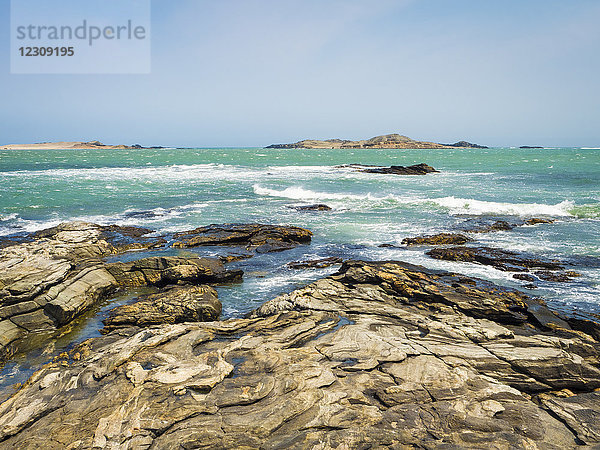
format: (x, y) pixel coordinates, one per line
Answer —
(55, 275)
(379, 354)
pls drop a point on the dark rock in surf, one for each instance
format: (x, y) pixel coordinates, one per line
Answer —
(538, 220)
(438, 239)
(556, 277)
(500, 259)
(498, 225)
(523, 277)
(258, 237)
(416, 169)
(504, 225)
(315, 263)
(315, 207)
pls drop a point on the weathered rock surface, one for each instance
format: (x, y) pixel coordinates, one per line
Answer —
(315, 207)
(258, 237)
(378, 355)
(416, 169)
(438, 239)
(176, 305)
(46, 283)
(507, 261)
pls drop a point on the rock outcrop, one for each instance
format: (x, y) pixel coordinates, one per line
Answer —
(438, 239)
(416, 169)
(380, 354)
(504, 225)
(176, 305)
(508, 261)
(260, 238)
(48, 282)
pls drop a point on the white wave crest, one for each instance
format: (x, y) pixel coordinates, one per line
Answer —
(454, 205)
(479, 207)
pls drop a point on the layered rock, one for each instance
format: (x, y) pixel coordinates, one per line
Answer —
(46, 283)
(508, 261)
(176, 305)
(377, 355)
(260, 238)
(438, 239)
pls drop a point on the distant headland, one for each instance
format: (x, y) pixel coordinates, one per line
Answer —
(385, 141)
(69, 145)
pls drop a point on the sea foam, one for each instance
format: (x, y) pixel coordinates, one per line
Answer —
(454, 205)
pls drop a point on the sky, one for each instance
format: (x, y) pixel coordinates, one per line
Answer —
(254, 72)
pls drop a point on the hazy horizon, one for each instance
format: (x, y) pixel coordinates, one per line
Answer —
(254, 73)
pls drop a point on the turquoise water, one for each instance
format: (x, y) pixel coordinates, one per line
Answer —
(177, 189)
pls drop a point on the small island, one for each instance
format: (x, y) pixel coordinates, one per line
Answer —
(385, 141)
(79, 145)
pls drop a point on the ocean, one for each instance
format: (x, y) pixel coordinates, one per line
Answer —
(171, 190)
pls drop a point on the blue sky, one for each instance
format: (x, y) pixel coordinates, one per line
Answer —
(255, 72)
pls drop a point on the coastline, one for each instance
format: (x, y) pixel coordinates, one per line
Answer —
(462, 273)
(75, 145)
(376, 342)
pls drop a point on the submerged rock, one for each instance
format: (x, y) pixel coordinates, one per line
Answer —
(258, 237)
(176, 305)
(505, 225)
(538, 220)
(500, 259)
(315, 207)
(315, 263)
(498, 225)
(523, 277)
(416, 169)
(438, 239)
(380, 354)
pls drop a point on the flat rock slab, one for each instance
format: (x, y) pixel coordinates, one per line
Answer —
(176, 305)
(258, 237)
(500, 259)
(380, 354)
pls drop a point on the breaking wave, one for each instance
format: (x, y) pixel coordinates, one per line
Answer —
(454, 205)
